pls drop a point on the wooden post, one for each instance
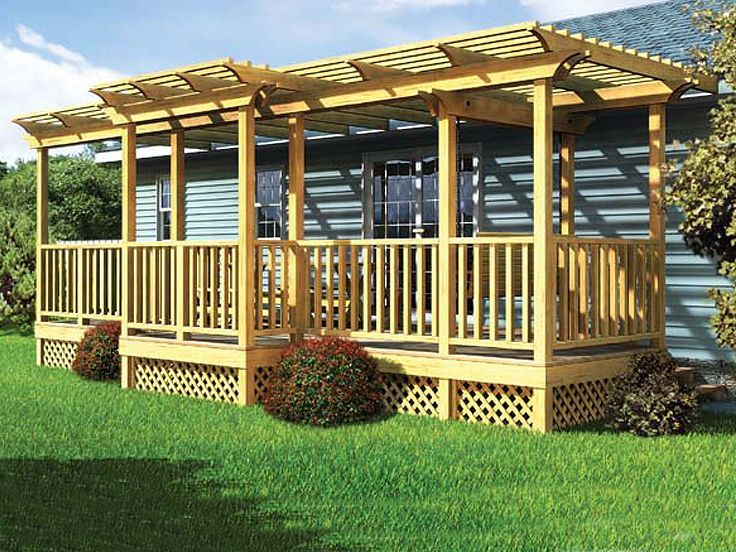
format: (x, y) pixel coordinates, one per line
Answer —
(447, 394)
(246, 224)
(542, 409)
(178, 231)
(42, 234)
(128, 234)
(657, 221)
(544, 259)
(298, 290)
(447, 193)
(567, 185)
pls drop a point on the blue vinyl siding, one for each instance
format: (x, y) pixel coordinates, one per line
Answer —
(145, 212)
(611, 197)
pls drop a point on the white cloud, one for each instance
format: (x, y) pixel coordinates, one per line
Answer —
(38, 75)
(393, 5)
(549, 11)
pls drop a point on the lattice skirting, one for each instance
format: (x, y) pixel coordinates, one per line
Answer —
(578, 403)
(411, 394)
(58, 353)
(201, 381)
(496, 404)
(260, 382)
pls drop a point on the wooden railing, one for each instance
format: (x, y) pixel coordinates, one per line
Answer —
(81, 280)
(274, 308)
(188, 287)
(494, 291)
(607, 291)
(372, 288)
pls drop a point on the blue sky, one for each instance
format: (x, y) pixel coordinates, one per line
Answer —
(54, 50)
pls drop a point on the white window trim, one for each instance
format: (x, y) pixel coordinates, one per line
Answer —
(159, 217)
(282, 197)
(369, 159)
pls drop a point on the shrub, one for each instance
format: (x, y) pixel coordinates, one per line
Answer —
(649, 400)
(98, 357)
(324, 381)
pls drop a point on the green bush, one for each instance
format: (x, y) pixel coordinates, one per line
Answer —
(649, 400)
(98, 357)
(324, 381)
(84, 204)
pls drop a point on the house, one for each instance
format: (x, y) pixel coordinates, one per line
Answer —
(484, 211)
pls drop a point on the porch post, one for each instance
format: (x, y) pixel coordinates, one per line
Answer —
(128, 234)
(177, 230)
(246, 224)
(544, 259)
(567, 184)
(447, 193)
(298, 289)
(42, 233)
(657, 221)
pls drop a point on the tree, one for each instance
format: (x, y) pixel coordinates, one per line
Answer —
(84, 204)
(705, 185)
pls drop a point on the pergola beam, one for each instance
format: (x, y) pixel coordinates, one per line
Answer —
(503, 112)
(159, 92)
(622, 59)
(619, 97)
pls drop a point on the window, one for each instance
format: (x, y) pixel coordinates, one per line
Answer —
(163, 214)
(269, 197)
(405, 196)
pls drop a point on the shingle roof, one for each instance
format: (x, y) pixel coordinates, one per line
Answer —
(664, 28)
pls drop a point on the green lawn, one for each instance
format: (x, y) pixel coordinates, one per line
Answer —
(87, 466)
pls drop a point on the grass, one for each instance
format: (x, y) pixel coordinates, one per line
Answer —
(88, 466)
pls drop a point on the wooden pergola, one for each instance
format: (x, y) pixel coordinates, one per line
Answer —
(526, 75)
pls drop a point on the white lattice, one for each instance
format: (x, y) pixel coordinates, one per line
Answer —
(494, 404)
(578, 403)
(58, 353)
(410, 394)
(202, 381)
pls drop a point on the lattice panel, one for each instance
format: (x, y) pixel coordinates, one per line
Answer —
(58, 353)
(201, 381)
(578, 403)
(494, 404)
(411, 394)
(260, 380)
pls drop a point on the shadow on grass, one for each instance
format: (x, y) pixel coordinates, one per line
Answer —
(131, 504)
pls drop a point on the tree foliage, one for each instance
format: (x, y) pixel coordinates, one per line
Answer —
(705, 185)
(84, 203)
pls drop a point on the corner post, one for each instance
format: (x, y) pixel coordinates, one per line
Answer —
(657, 220)
(447, 193)
(246, 224)
(178, 231)
(545, 300)
(128, 234)
(42, 234)
(298, 290)
(567, 185)
(545, 292)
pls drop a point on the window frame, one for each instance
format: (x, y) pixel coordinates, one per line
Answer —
(283, 191)
(418, 155)
(160, 227)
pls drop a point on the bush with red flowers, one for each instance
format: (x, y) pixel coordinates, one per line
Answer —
(324, 381)
(98, 357)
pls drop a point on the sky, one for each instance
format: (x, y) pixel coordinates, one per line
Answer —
(53, 51)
